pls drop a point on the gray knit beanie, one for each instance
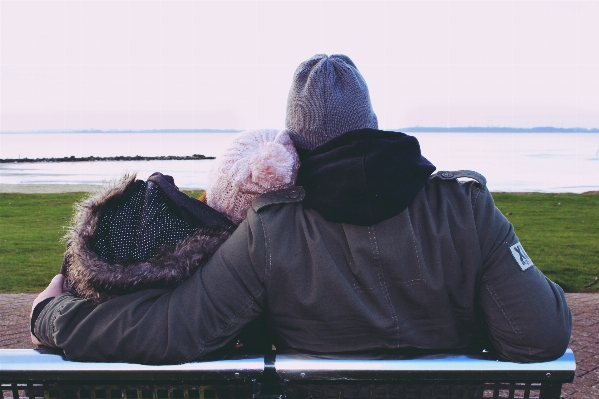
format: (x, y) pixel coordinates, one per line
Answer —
(328, 97)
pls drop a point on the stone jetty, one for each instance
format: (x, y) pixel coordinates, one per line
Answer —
(73, 158)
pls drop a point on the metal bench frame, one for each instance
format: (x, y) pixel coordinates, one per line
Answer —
(31, 374)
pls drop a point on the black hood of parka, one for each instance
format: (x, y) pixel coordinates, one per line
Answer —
(364, 176)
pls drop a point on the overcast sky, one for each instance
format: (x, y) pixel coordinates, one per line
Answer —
(183, 64)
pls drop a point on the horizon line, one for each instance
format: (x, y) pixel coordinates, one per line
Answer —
(417, 128)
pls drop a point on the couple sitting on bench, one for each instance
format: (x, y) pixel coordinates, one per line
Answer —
(362, 248)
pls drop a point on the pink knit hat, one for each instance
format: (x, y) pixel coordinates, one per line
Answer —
(256, 162)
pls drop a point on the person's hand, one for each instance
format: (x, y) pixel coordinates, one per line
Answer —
(55, 288)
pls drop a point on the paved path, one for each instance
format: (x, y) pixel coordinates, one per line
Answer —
(585, 344)
(14, 320)
(14, 333)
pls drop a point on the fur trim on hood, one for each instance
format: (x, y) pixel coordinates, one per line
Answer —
(92, 277)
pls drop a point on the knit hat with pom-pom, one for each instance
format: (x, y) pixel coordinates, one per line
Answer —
(256, 162)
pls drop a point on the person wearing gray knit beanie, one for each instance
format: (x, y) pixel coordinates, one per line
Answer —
(328, 97)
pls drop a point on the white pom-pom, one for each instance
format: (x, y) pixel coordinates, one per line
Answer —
(272, 166)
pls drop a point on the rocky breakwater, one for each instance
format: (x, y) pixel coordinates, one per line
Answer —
(73, 158)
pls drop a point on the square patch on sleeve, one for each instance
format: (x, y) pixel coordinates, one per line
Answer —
(520, 256)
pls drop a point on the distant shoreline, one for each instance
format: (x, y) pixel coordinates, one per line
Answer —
(540, 129)
(412, 129)
(55, 131)
(60, 188)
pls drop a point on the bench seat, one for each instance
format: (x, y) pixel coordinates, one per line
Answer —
(32, 374)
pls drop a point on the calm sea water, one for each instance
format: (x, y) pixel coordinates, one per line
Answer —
(544, 162)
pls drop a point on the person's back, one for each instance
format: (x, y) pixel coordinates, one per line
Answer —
(341, 274)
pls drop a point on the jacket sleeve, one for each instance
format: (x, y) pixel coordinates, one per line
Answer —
(526, 313)
(165, 326)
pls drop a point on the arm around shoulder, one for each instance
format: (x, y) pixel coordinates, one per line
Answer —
(527, 315)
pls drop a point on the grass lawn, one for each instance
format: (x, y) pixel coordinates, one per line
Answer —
(31, 228)
(560, 232)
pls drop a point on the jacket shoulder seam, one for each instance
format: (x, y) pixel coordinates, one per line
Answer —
(288, 195)
(267, 247)
(454, 175)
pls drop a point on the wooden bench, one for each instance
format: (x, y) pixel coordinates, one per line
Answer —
(31, 374)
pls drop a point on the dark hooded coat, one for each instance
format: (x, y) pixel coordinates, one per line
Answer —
(368, 255)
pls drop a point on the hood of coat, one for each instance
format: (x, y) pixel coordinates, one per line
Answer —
(363, 176)
(99, 278)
